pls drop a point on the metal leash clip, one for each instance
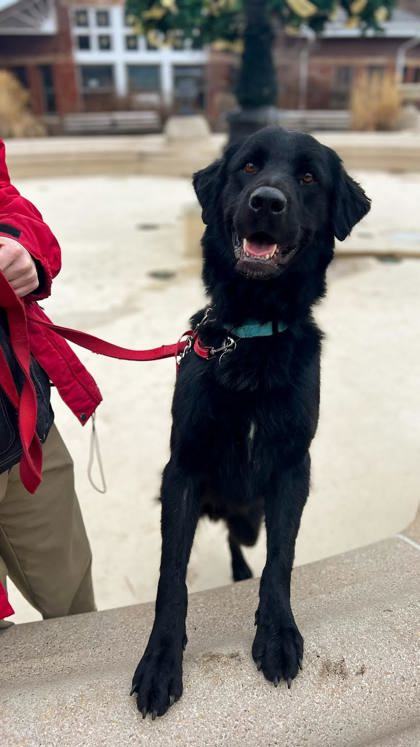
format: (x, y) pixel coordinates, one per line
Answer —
(228, 346)
(189, 339)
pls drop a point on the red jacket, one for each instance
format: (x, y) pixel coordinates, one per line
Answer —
(19, 219)
(22, 221)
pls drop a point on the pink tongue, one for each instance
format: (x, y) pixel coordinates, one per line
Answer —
(258, 250)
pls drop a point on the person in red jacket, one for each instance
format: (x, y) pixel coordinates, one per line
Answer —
(43, 543)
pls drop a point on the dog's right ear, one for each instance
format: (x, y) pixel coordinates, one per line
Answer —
(209, 182)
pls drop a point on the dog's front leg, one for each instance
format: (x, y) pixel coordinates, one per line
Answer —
(278, 644)
(157, 680)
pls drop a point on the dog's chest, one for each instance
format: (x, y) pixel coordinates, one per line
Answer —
(258, 366)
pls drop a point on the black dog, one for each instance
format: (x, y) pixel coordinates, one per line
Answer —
(243, 420)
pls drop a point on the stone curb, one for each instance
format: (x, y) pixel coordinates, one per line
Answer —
(66, 681)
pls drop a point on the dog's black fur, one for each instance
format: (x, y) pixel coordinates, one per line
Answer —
(243, 424)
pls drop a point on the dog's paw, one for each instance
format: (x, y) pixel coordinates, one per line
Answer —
(278, 651)
(157, 681)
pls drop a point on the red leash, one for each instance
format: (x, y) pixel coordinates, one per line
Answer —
(102, 347)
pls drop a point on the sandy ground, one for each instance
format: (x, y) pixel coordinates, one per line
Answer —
(114, 233)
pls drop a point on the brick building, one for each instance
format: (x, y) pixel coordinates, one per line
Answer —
(320, 73)
(36, 45)
(81, 55)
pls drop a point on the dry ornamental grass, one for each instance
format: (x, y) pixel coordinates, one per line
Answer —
(16, 119)
(375, 103)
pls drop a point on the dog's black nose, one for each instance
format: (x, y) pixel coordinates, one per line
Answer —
(268, 199)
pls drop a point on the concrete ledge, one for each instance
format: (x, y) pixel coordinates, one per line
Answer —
(375, 151)
(154, 155)
(143, 155)
(65, 682)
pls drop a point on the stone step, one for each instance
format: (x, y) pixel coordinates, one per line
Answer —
(65, 682)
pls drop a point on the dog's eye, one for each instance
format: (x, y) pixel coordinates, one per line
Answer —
(250, 168)
(307, 178)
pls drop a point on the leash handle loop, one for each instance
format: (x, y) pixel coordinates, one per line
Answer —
(95, 451)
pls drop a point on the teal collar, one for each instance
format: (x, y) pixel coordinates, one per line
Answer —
(255, 329)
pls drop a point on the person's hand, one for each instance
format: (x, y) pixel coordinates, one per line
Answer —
(18, 267)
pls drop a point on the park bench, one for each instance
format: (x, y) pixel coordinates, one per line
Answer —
(105, 123)
(310, 120)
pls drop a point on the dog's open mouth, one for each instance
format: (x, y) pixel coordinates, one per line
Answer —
(260, 254)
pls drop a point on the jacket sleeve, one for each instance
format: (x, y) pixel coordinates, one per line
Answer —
(21, 220)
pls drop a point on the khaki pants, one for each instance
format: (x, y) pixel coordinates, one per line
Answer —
(43, 544)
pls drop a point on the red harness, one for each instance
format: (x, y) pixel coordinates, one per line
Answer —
(26, 403)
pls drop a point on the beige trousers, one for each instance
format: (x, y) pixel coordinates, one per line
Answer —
(43, 544)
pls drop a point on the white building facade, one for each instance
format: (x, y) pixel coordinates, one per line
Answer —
(110, 57)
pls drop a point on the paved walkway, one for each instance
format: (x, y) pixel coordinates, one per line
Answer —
(115, 237)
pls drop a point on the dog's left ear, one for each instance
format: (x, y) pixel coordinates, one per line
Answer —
(350, 203)
(209, 182)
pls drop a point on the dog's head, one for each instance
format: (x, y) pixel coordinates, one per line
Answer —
(274, 196)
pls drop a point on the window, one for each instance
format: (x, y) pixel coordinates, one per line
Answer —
(197, 41)
(189, 88)
(104, 42)
(343, 76)
(154, 40)
(150, 43)
(48, 88)
(131, 42)
(97, 78)
(83, 42)
(143, 78)
(340, 94)
(81, 17)
(128, 19)
(102, 18)
(411, 74)
(178, 41)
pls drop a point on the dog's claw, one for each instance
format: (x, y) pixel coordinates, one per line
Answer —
(289, 682)
(171, 700)
(133, 689)
(258, 664)
(154, 714)
(276, 681)
(144, 712)
(300, 664)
